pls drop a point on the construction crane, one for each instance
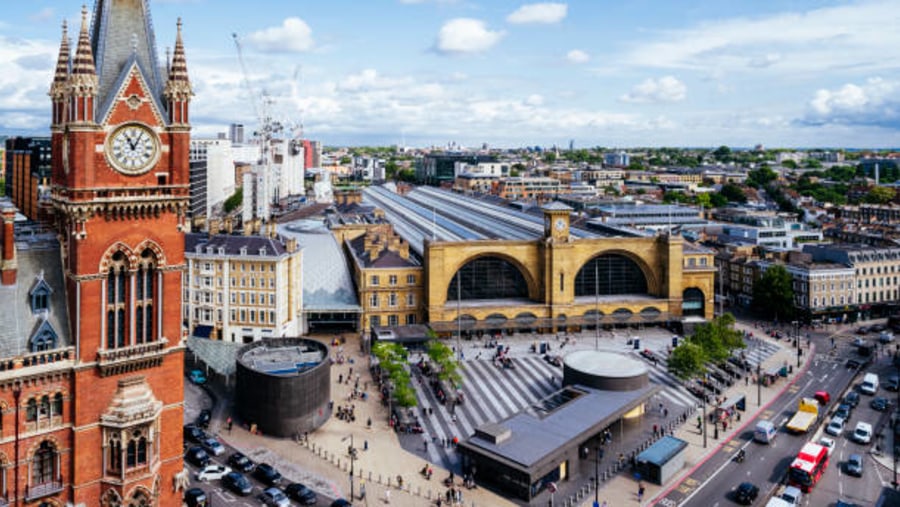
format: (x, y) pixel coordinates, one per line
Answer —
(266, 127)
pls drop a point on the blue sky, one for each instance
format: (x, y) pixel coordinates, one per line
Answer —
(509, 73)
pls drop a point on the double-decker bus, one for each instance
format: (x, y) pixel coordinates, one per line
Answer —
(808, 466)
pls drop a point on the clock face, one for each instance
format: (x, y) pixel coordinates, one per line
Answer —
(560, 224)
(132, 149)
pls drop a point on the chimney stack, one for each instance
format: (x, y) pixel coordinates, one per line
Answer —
(8, 265)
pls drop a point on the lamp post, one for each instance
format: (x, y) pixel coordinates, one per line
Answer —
(352, 452)
(458, 316)
(704, 419)
(597, 459)
(758, 384)
(597, 305)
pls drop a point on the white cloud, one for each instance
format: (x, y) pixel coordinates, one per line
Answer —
(546, 13)
(293, 36)
(534, 100)
(664, 89)
(577, 56)
(466, 35)
(874, 102)
(818, 40)
(45, 14)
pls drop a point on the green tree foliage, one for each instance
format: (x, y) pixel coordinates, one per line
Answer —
(443, 357)
(773, 293)
(345, 160)
(718, 200)
(674, 196)
(733, 193)
(761, 177)
(722, 154)
(636, 164)
(687, 361)
(835, 194)
(549, 157)
(234, 200)
(880, 195)
(790, 164)
(391, 169)
(812, 163)
(392, 359)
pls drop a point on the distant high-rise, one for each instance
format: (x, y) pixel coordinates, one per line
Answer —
(28, 168)
(236, 133)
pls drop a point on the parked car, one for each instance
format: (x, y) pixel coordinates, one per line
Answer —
(827, 443)
(267, 474)
(863, 433)
(746, 493)
(852, 399)
(822, 397)
(836, 426)
(193, 433)
(197, 456)
(203, 418)
(196, 497)
(274, 497)
(854, 465)
(301, 493)
(340, 502)
(241, 463)
(880, 403)
(236, 482)
(844, 411)
(877, 328)
(892, 383)
(213, 446)
(862, 330)
(213, 472)
(197, 377)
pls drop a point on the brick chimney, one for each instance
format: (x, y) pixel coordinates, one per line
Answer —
(8, 265)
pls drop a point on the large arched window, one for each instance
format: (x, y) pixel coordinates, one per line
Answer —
(116, 296)
(692, 302)
(43, 465)
(610, 274)
(487, 278)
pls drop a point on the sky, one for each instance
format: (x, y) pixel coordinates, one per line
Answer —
(781, 73)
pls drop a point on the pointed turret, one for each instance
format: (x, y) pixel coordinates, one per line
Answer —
(60, 78)
(82, 83)
(178, 86)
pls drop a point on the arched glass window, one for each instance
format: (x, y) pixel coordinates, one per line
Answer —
(31, 410)
(487, 278)
(114, 449)
(44, 408)
(610, 274)
(144, 297)
(57, 408)
(692, 302)
(43, 465)
(111, 329)
(131, 454)
(116, 297)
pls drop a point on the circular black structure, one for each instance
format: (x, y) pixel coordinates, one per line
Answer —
(607, 371)
(283, 385)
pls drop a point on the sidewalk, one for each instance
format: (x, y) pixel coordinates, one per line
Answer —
(625, 487)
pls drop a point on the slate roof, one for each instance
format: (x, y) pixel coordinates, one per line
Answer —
(232, 245)
(37, 255)
(386, 258)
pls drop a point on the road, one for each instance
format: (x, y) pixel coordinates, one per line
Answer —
(714, 482)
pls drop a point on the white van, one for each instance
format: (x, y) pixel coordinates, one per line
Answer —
(869, 384)
(765, 432)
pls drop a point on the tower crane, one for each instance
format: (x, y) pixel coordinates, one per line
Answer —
(266, 126)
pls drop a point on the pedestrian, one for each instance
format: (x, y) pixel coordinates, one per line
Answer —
(640, 492)
(666, 412)
(654, 430)
(362, 489)
(230, 424)
(340, 378)
(387, 495)
(365, 445)
(746, 380)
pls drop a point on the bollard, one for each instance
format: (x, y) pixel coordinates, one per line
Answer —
(370, 476)
(379, 478)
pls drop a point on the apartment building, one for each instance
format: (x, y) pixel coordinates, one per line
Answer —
(528, 188)
(242, 288)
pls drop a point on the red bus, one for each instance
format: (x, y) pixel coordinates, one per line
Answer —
(808, 466)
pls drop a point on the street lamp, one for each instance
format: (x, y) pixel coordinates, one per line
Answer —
(458, 316)
(597, 305)
(352, 452)
(597, 459)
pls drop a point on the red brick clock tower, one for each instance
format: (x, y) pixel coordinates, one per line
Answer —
(120, 193)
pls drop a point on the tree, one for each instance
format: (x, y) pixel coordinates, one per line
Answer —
(234, 201)
(722, 154)
(790, 164)
(718, 200)
(687, 361)
(549, 157)
(391, 169)
(773, 293)
(443, 357)
(761, 177)
(704, 200)
(733, 193)
(392, 359)
(880, 195)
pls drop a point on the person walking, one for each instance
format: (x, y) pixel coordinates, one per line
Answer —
(387, 495)
(640, 492)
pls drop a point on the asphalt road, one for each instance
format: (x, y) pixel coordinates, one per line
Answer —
(713, 483)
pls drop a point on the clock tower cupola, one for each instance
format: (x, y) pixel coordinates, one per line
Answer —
(556, 220)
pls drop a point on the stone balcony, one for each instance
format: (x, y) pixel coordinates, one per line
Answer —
(32, 493)
(130, 359)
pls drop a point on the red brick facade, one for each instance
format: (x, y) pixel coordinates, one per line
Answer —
(99, 422)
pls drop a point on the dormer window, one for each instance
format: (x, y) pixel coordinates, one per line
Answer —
(262, 251)
(221, 250)
(209, 250)
(40, 295)
(243, 250)
(44, 338)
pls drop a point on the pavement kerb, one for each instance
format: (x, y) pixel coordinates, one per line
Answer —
(623, 486)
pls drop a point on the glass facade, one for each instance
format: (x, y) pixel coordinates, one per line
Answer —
(488, 278)
(610, 274)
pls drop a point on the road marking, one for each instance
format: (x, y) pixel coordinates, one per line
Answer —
(823, 378)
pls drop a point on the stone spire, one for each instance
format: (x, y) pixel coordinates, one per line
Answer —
(58, 88)
(178, 86)
(82, 84)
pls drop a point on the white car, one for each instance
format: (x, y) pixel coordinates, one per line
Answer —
(213, 472)
(827, 443)
(863, 433)
(835, 427)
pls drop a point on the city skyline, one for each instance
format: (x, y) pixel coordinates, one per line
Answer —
(428, 72)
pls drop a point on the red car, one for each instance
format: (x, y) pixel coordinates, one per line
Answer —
(822, 397)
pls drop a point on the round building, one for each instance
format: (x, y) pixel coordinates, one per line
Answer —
(283, 385)
(606, 371)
